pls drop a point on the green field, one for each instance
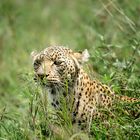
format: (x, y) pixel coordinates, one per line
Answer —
(109, 29)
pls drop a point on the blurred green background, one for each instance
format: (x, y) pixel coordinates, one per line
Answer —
(109, 29)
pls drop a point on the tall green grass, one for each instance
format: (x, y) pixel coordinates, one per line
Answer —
(109, 29)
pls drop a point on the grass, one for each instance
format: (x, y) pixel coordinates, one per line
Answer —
(109, 29)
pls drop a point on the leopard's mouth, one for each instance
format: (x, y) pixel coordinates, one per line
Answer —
(55, 81)
(46, 81)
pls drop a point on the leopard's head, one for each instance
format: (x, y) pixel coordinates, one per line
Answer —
(56, 65)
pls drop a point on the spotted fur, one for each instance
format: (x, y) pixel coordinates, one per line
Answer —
(57, 67)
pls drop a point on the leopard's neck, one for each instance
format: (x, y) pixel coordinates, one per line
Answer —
(73, 89)
(81, 81)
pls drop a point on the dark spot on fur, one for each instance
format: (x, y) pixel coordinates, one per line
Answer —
(53, 91)
(79, 122)
(101, 95)
(54, 105)
(106, 87)
(108, 91)
(77, 82)
(82, 114)
(57, 103)
(74, 114)
(77, 106)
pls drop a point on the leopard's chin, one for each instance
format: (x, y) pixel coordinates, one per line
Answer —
(50, 83)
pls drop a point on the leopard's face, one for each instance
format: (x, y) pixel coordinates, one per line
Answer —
(54, 70)
(55, 65)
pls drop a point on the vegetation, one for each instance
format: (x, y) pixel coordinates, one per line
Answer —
(109, 29)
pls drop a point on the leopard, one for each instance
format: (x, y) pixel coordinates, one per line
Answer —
(58, 67)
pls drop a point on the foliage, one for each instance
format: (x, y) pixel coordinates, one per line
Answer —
(109, 29)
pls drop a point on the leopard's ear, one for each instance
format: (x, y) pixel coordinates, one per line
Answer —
(82, 56)
(33, 55)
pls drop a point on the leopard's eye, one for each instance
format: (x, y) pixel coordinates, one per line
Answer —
(57, 62)
(37, 64)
